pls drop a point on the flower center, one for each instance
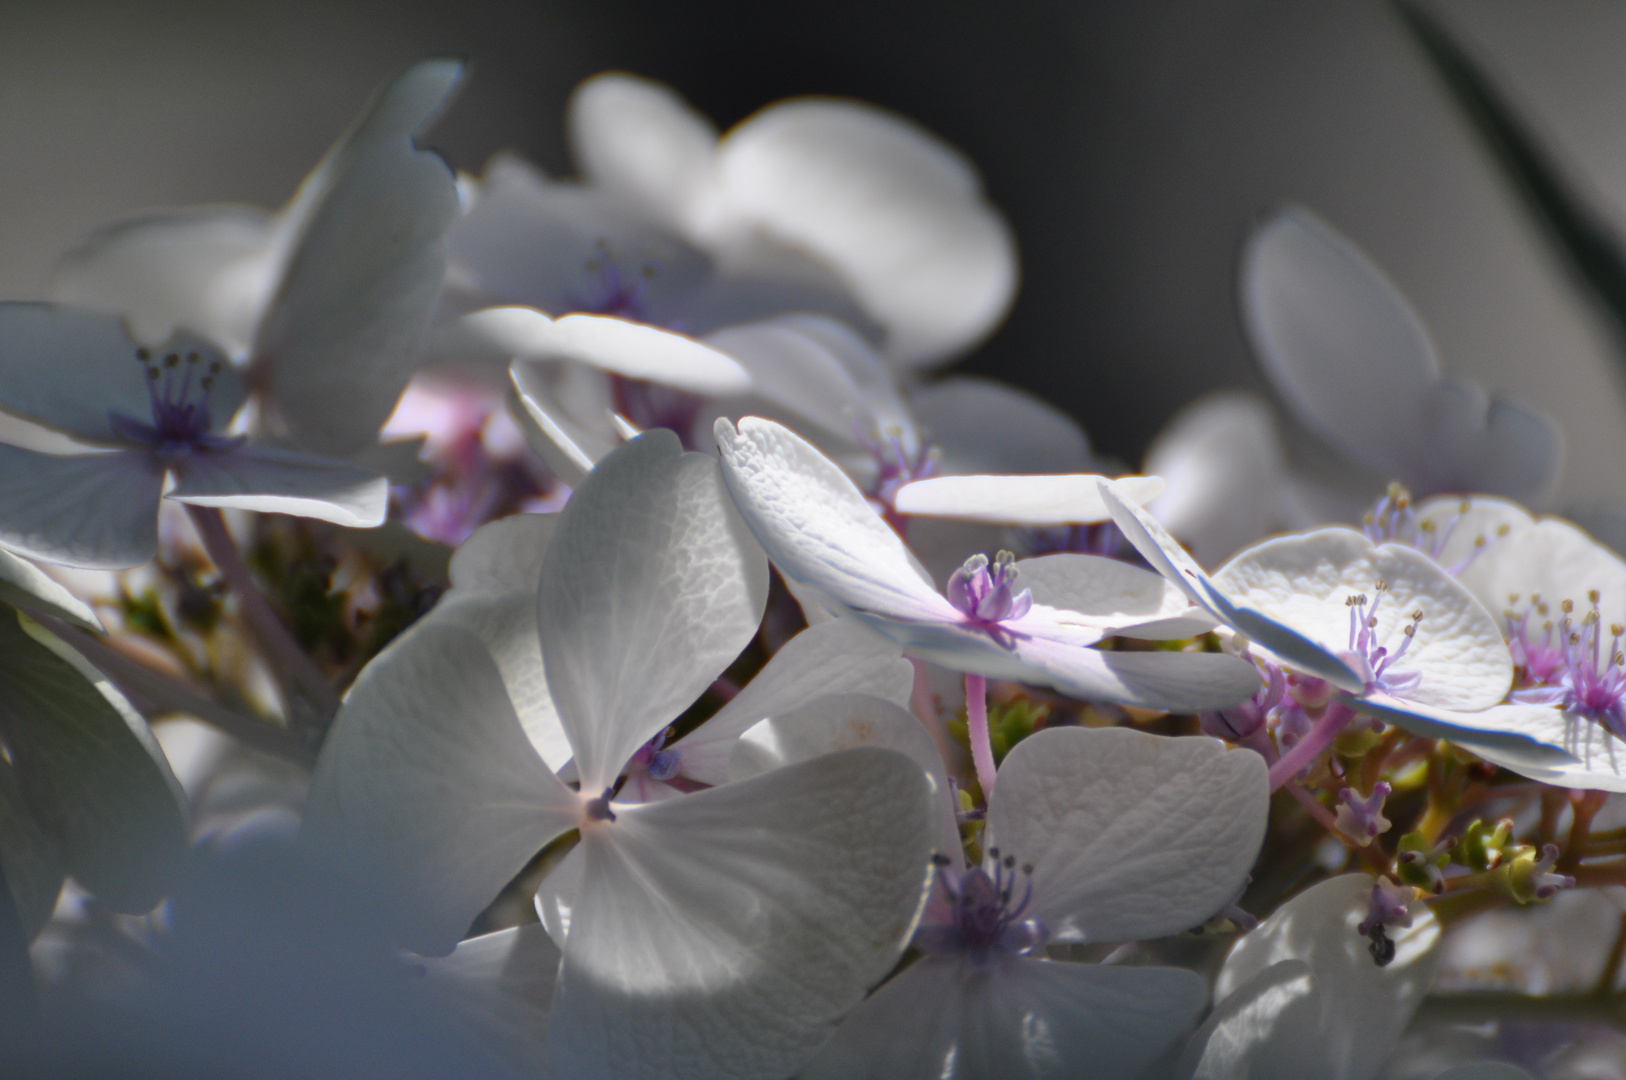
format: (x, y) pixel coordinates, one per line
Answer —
(1569, 666)
(1372, 661)
(985, 914)
(986, 596)
(895, 466)
(178, 396)
(611, 288)
(1393, 520)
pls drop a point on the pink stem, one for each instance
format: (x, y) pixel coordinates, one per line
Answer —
(1317, 811)
(976, 718)
(1307, 749)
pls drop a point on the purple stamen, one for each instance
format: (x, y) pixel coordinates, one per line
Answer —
(1394, 521)
(1372, 661)
(610, 289)
(1574, 672)
(985, 917)
(987, 597)
(180, 424)
(1361, 819)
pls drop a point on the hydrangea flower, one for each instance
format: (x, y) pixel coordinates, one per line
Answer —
(1093, 836)
(739, 922)
(323, 302)
(140, 417)
(826, 538)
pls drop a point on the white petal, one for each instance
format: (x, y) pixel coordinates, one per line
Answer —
(1359, 1008)
(70, 370)
(210, 269)
(650, 588)
(1222, 461)
(1337, 340)
(1113, 596)
(637, 138)
(1569, 750)
(503, 557)
(570, 448)
(1471, 531)
(431, 789)
(343, 336)
(1057, 499)
(1032, 1020)
(271, 480)
(1171, 560)
(94, 510)
(818, 528)
(501, 986)
(24, 585)
(841, 722)
(619, 346)
(1130, 835)
(1263, 1030)
(842, 653)
(898, 212)
(724, 933)
(1477, 442)
(983, 426)
(1554, 560)
(1302, 583)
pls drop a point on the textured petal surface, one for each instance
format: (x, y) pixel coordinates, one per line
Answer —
(650, 588)
(1553, 560)
(1303, 582)
(89, 770)
(1222, 461)
(1130, 835)
(272, 480)
(898, 212)
(1030, 1020)
(70, 369)
(637, 138)
(843, 654)
(724, 933)
(818, 528)
(1113, 596)
(983, 426)
(429, 785)
(841, 722)
(503, 557)
(1336, 339)
(342, 337)
(93, 510)
(1060, 499)
(210, 269)
(1342, 1020)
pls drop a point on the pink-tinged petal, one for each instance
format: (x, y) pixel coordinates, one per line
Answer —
(650, 588)
(1130, 835)
(818, 528)
(1300, 994)
(725, 933)
(429, 787)
(271, 480)
(1030, 1020)
(92, 510)
(1058, 499)
(842, 653)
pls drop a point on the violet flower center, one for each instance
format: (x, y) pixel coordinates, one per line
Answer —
(178, 397)
(1570, 667)
(985, 920)
(1374, 662)
(985, 594)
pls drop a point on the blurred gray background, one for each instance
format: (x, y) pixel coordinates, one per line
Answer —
(1130, 145)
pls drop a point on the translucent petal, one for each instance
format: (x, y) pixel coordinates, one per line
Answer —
(650, 588)
(24, 585)
(618, 346)
(842, 652)
(93, 510)
(1555, 561)
(1057, 499)
(983, 426)
(1303, 581)
(818, 528)
(1580, 751)
(1130, 835)
(724, 933)
(501, 986)
(1030, 1020)
(1355, 1009)
(70, 370)
(503, 557)
(898, 212)
(1337, 340)
(1468, 529)
(843, 721)
(1113, 596)
(429, 787)
(569, 447)
(1477, 442)
(272, 480)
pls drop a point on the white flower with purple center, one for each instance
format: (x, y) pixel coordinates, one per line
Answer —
(740, 922)
(137, 417)
(1093, 836)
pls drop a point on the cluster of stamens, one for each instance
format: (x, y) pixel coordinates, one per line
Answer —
(986, 595)
(895, 466)
(1394, 520)
(985, 916)
(180, 421)
(1568, 665)
(611, 289)
(1376, 659)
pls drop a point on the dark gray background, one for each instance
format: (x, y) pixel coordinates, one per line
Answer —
(1130, 145)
